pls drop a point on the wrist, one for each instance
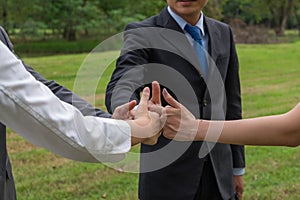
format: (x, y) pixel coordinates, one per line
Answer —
(202, 129)
(135, 141)
(136, 130)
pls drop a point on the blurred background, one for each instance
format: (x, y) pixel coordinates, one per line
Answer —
(75, 26)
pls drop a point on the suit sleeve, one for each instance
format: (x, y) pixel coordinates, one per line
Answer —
(233, 92)
(67, 96)
(127, 79)
(5, 39)
(61, 92)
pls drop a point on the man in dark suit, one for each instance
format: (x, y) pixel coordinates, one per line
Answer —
(7, 187)
(160, 48)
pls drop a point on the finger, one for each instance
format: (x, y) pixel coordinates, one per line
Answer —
(132, 104)
(163, 119)
(170, 100)
(168, 134)
(156, 108)
(125, 108)
(156, 120)
(171, 112)
(156, 93)
(121, 111)
(132, 113)
(143, 106)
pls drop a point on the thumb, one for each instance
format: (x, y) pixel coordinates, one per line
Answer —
(170, 100)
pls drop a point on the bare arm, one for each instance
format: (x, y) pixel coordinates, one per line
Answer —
(277, 130)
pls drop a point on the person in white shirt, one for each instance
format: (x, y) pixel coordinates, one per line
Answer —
(32, 110)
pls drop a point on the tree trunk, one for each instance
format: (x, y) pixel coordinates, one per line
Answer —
(84, 3)
(69, 33)
(282, 13)
(4, 15)
(281, 29)
(72, 35)
(297, 16)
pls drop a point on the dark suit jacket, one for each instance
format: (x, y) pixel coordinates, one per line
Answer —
(7, 187)
(164, 55)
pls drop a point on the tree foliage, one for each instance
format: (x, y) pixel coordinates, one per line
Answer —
(75, 18)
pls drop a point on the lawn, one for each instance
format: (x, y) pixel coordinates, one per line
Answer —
(270, 85)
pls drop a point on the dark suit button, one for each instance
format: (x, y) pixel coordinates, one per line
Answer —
(204, 103)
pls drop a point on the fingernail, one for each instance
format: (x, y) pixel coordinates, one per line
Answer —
(146, 89)
(165, 91)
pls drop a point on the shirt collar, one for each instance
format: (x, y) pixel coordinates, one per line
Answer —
(181, 22)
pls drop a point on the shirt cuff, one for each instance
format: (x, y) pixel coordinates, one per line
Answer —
(239, 171)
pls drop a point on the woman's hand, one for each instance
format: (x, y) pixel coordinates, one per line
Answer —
(180, 124)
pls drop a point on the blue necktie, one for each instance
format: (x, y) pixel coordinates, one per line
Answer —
(195, 33)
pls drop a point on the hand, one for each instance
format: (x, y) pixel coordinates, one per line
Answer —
(180, 124)
(154, 101)
(146, 125)
(153, 140)
(124, 111)
(239, 185)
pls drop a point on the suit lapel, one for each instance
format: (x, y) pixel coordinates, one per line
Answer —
(165, 20)
(214, 37)
(171, 32)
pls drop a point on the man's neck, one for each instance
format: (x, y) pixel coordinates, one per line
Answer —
(192, 19)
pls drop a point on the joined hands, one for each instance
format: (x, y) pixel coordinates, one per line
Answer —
(145, 125)
(151, 119)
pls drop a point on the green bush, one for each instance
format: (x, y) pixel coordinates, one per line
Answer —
(54, 47)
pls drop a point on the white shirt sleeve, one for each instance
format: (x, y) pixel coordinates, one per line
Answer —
(32, 110)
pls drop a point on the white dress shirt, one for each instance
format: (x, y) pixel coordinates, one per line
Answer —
(32, 110)
(181, 22)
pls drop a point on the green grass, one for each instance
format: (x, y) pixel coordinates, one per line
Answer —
(270, 85)
(269, 77)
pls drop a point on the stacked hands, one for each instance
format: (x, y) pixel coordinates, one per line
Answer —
(150, 119)
(174, 121)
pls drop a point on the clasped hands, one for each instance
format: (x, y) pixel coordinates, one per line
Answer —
(150, 119)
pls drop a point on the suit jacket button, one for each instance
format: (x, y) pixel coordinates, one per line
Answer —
(204, 103)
